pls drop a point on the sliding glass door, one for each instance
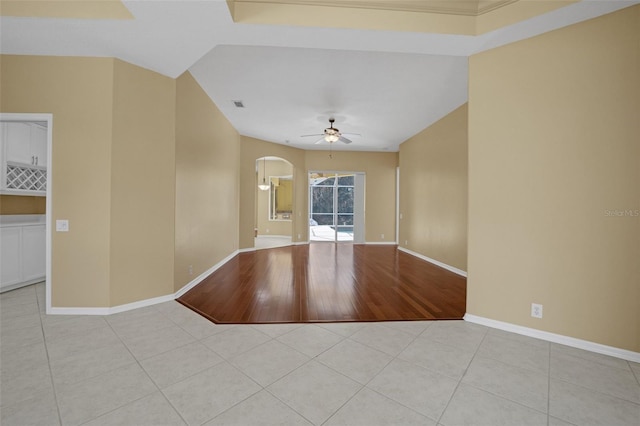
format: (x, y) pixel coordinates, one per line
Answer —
(332, 206)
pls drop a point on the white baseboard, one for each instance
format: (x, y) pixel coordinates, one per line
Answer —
(247, 250)
(273, 236)
(381, 243)
(299, 243)
(556, 338)
(79, 311)
(146, 302)
(204, 275)
(435, 262)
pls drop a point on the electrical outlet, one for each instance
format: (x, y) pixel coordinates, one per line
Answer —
(406, 242)
(299, 236)
(382, 236)
(536, 310)
(267, 230)
(190, 269)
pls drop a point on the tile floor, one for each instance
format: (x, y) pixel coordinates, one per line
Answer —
(165, 365)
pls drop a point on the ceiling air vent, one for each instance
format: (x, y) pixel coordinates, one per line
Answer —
(238, 104)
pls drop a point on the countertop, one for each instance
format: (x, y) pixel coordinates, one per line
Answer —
(8, 220)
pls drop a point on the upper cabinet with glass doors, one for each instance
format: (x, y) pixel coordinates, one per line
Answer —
(23, 146)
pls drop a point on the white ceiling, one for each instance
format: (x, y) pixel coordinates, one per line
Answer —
(385, 85)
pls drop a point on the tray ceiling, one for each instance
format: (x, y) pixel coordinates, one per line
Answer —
(385, 85)
(451, 7)
(73, 9)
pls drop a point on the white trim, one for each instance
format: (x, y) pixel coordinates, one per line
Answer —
(204, 275)
(49, 204)
(113, 309)
(142, 303)
(381, 243)
(555, 338)
(246, 250)
(435, 262)
(79, 311)
(397, 203)
(273, 236)
(299, 243)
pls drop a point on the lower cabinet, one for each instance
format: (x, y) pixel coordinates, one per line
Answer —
(22, 255)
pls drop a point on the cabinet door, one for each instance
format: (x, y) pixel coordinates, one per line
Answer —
(10, 251)
(39, 144)
(33, 252)
(18, 143)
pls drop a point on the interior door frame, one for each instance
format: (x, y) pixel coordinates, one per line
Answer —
(48, 118)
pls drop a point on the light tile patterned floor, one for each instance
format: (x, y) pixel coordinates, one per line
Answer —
(165, 365)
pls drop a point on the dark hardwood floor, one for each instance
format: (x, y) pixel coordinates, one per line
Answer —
(328, 282)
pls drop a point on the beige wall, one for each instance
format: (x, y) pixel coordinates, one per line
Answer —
(128, 143)
(142, 184)
(207, 183)
(79, 94)
(19, 204)
(264, 225)
(380, 183)
(433, 190)
(380, 169)
(553, 146)
(251, 150)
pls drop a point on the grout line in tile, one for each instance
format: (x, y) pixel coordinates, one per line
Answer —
(146, 373)
(475, 353)
(635, 373)
(53, 383)
(595, 390)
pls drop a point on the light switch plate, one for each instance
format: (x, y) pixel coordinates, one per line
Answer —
(62, 225)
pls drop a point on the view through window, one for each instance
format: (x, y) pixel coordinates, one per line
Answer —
(331, 206)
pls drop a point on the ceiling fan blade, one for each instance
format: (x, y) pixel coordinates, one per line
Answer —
(351, 134)
(306, 136)
(319, 140)
(345, 140)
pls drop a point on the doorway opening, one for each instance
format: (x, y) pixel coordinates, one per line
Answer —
(273, 225)
(26, 170)
(336, 207)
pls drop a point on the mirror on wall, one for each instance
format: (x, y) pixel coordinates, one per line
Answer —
(280, 197)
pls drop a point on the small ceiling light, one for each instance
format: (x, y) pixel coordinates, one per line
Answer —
(331, 137)
(264, 185)
(331, 134)
(238, 104)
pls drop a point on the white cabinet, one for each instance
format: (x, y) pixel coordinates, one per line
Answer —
(22, 255)
(33, 252)
(17, 142)
(23, 158)
(25, 143)
(38, 144)
(10, 256)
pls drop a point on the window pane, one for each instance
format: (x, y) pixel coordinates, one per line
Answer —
(323, 219)
(345, 220)
(321, 181)
(346, 180)
(321, 199)
(345, 199)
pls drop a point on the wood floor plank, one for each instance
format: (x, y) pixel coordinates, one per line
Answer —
(328, 282)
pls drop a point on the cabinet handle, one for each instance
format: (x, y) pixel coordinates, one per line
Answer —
(33, 161)
(36, 161)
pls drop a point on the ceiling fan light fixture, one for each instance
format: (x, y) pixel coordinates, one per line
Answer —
(331, 137)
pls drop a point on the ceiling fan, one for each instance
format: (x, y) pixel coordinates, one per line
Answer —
(332, 134)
